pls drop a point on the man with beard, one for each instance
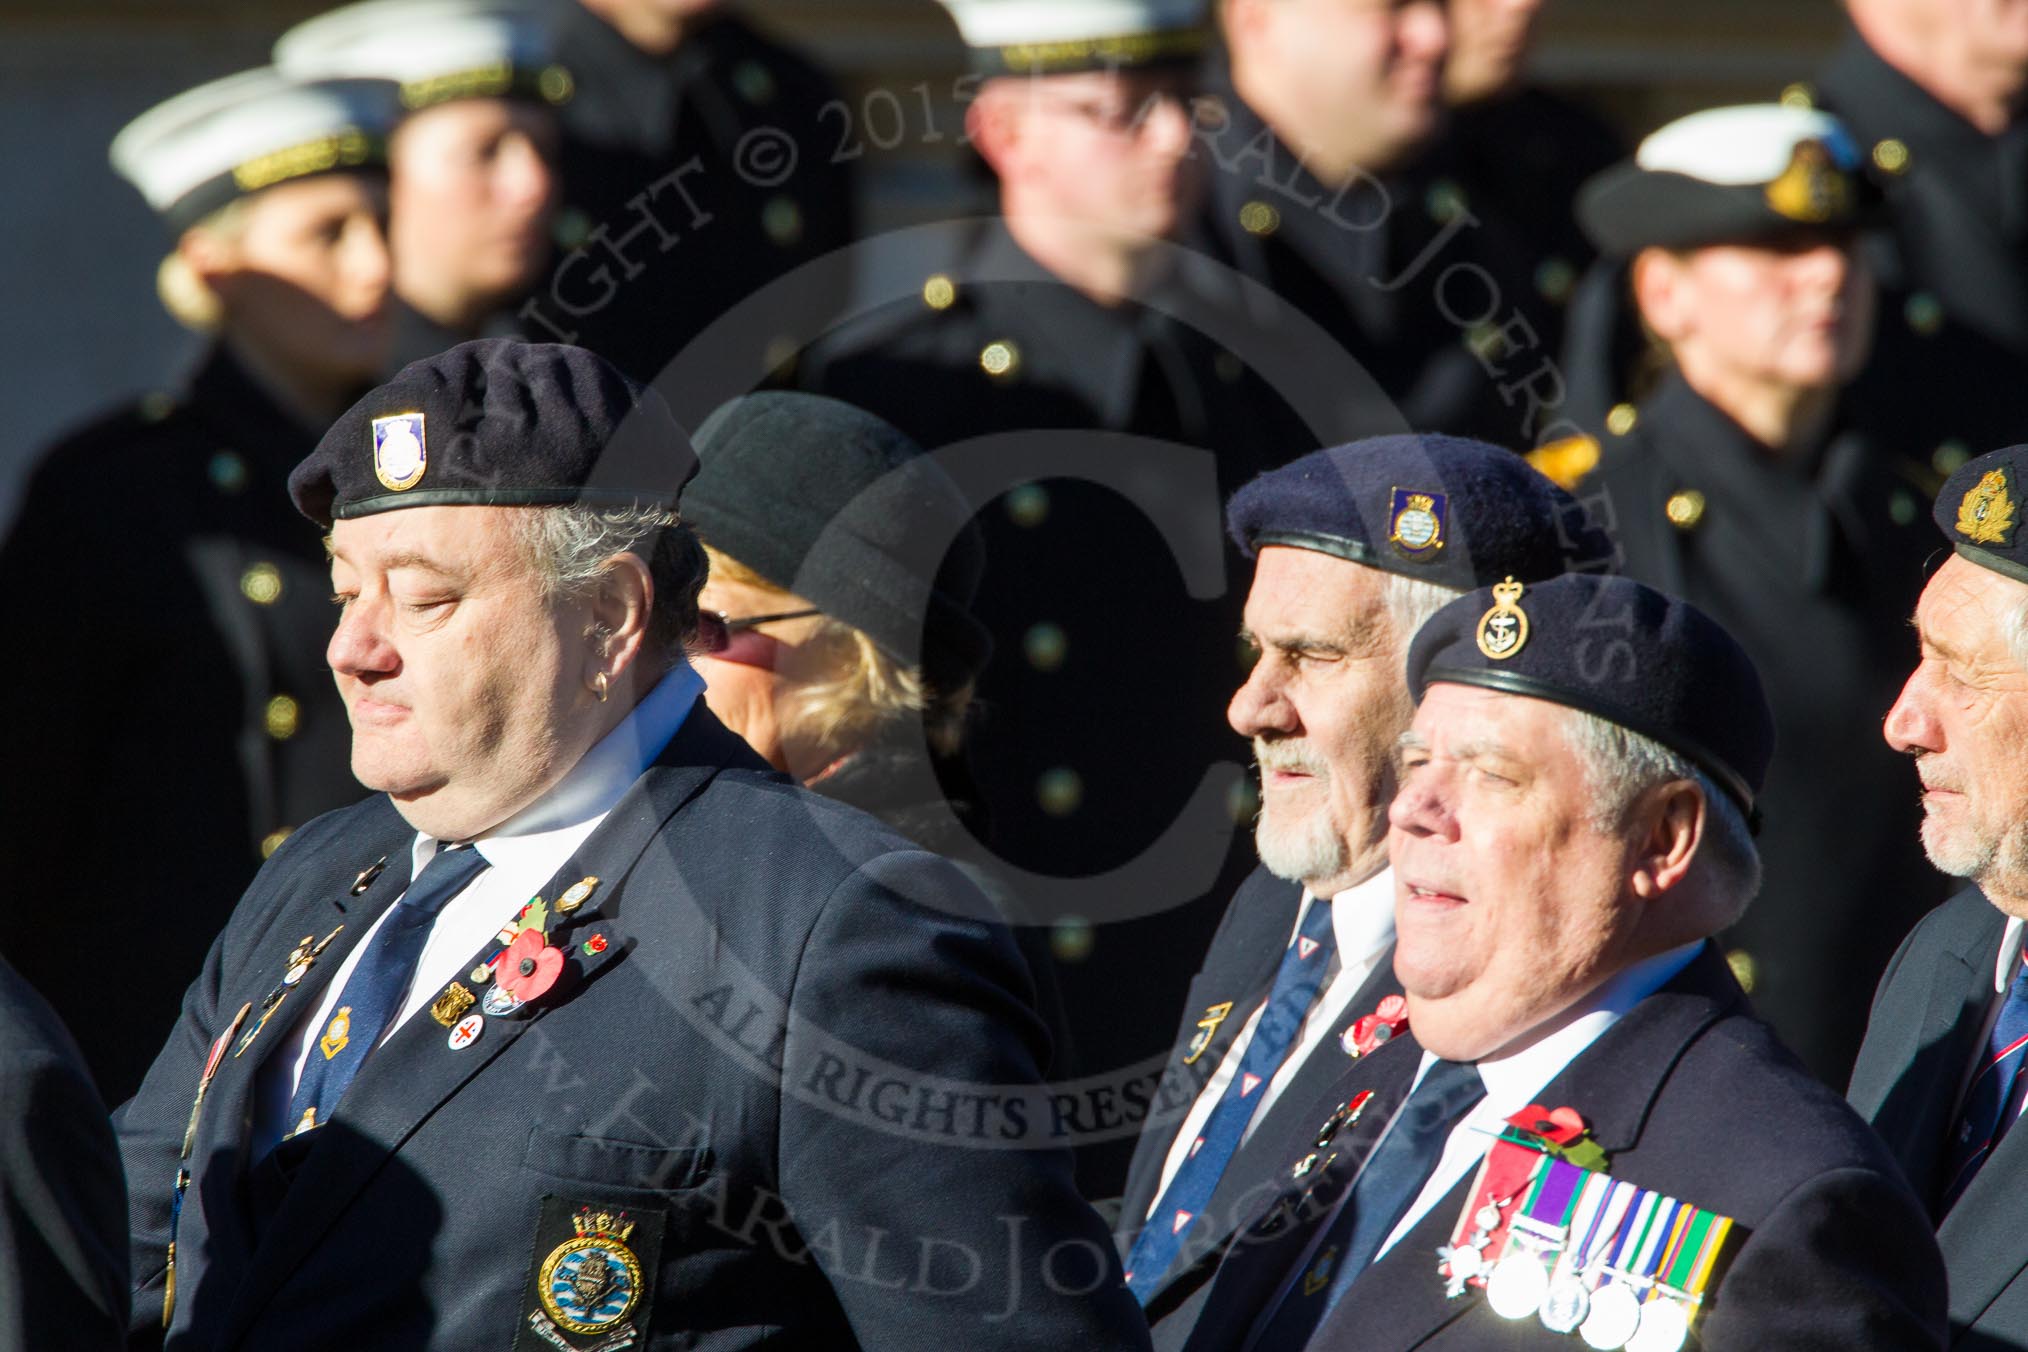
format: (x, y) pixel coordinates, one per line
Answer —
(1356, 547)
(1938, 1075)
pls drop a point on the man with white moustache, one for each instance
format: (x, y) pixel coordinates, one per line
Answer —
(1356, 546)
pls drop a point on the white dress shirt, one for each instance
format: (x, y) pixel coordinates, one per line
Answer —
(521, 855)
(1362, 924)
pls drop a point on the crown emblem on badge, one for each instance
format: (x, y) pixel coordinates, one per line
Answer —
(1986, 515)
(603, 1225)
(1503, 630)
(400, 451)
(1812, 189)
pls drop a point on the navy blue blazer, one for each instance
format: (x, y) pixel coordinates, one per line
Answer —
(1239, 969)
(1691, 1096)
(780, 1054)
(1927, 1030)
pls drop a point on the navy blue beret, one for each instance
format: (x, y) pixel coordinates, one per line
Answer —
(498, 423)
(1610, 646)
(1979, 511)
(1455, 512)
(836, 505)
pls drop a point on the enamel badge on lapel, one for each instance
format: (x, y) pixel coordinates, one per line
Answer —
(297, 966)
(1503, 630)
(577, 895)
(368, 874)
(1207, 1028)
(1415, 523)
(592, 1284)
(453, 1005)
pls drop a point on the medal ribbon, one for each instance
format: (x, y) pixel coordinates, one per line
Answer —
(1555, 1197)
(1610, 1209)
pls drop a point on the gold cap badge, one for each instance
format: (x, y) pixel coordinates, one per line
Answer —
(1986, 516)
(1812, 189)
(1503, 630)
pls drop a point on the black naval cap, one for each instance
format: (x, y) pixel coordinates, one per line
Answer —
(1740, 175)
(840, 507)
(1613, 647)
(1979, 511)
(1449, 510)
(498, 423)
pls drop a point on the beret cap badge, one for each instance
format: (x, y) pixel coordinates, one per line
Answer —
(1416, 523)
(1812, 190)
(1986, 515)
(400, 451)
(1503, 630)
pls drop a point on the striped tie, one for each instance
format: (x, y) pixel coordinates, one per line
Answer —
(1992, 1102)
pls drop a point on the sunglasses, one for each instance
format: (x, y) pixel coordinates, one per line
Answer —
(731, 639)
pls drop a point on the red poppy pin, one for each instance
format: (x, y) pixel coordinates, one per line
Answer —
(1561, 1132)
(530, 966)
(1388, 1021)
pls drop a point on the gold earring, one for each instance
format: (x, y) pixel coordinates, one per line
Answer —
(599, 686)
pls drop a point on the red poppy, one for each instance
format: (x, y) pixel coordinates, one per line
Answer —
(530, 966)
(1560, 1126)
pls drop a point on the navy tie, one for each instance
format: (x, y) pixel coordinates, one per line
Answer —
(372, 995)
(1297, 982)
(1386, 1186)
(1991, 1103)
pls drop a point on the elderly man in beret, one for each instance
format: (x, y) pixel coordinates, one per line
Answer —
(1939, 1073)
(1583, 1132)
(1356, 546)
(588, 1029)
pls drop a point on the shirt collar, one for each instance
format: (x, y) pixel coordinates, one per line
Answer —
(1362, 917)
(595, 785)
(1525, 1072)
(2010, 954)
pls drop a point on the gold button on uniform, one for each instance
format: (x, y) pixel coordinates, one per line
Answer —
(261, 584)
(1744, 968)
(282, 717)
(1000, 360)
(1798, 95)
(272, 841)
(555, 85)
(1891, 156)
(939, 292)
(1685, 509)
(1258, 218)
(1621, 420)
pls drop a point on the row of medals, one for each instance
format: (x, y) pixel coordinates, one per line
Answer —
(1563, 1297)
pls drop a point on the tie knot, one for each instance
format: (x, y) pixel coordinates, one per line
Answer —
(442, 878)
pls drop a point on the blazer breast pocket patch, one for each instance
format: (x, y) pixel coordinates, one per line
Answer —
(591, 1278)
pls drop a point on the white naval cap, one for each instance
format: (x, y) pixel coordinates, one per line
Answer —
(436, 50)
(222, 140)
(1729, 176)
(1039, 37)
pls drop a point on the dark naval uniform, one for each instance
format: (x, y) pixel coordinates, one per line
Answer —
(63, 1213)
(1444, 280)
(1099, 445)
(751, 1098)
(1690, 1096)
(1926, 1035)
(1809, 563)
(690, 181)
(182, 719)
(1953, 261)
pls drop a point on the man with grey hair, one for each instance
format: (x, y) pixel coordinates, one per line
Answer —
(1939, 1072)
(1572, 825)
(588, 1030)
(1356, 546)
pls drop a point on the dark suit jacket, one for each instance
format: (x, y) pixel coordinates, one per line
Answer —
(1928, 1023)
(1691, 1096)
(1240, 968)
(792, 1056)
(63, 1253)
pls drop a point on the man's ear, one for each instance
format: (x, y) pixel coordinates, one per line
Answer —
(1671, 821)
(207, 254)
(620, 613)
(993, 123)
(1661, 293)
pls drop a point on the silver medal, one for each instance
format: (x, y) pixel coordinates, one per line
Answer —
(1565, 1304)
(1517, 1286)
(1664, 1326)
(1615, 1314)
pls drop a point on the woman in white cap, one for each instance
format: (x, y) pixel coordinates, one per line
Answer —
(1742, 483)
(184, 721)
